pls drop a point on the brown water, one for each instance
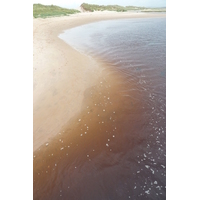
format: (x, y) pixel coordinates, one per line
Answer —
(115, 148)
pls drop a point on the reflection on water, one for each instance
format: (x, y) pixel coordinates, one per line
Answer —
(115, 148)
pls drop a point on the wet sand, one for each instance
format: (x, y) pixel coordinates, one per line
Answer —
(62, 76)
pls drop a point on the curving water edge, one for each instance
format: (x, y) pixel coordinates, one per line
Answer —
(115, 148)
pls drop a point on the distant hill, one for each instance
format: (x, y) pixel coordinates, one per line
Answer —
(43, 11)
(93, 7)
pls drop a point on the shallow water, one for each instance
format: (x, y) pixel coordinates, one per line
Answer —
(116, 147)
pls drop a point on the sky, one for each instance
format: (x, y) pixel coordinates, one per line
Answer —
(76, 3)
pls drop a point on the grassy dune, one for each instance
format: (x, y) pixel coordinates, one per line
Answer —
(43, 11)
(94, 7)
(144, 9)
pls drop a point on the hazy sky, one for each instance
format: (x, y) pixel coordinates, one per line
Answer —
(77, 3)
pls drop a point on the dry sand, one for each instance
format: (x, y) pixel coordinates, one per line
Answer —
(61, 74)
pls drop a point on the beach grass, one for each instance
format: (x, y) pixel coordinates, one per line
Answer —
(144, 9)
(94, 7)
(43, 11)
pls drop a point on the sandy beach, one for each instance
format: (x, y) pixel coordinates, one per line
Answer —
(61, 74)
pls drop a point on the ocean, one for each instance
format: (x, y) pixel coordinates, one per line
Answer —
(116, 148)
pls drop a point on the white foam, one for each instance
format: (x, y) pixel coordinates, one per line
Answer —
(152, 171)
(147, 192)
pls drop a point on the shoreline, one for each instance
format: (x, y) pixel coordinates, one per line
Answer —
(59, 80)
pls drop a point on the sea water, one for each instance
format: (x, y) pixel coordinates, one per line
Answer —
(117, 148)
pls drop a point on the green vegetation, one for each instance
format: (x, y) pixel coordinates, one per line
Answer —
(154, 10)
(93, 7)
(44, 11)
(134, 8)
